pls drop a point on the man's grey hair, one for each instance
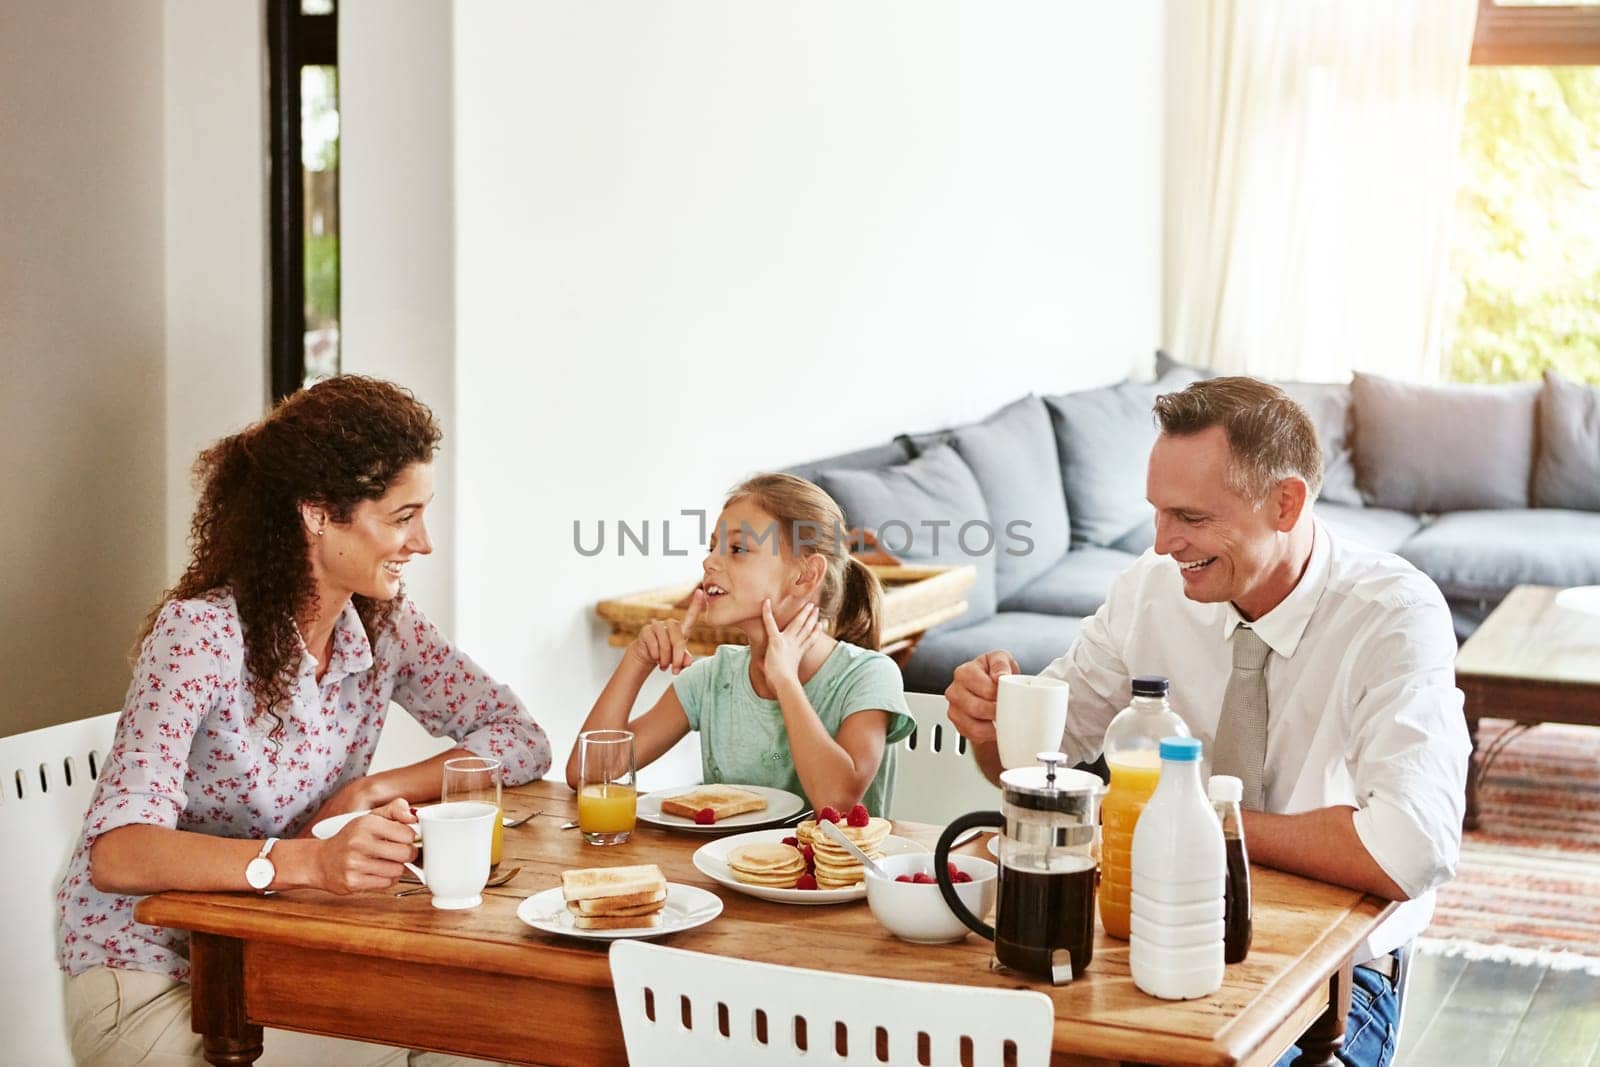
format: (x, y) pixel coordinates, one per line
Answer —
(1272, 437)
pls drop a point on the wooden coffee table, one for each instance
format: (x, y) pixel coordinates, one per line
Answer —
(1532, 662)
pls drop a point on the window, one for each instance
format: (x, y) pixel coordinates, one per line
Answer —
(1526, 247)
(303, 43)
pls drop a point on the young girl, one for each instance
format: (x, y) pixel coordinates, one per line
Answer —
(809, 705)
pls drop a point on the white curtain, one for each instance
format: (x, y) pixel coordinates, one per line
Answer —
(1310, 182)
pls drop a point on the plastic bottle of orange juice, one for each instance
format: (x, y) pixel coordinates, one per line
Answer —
(1133, 752)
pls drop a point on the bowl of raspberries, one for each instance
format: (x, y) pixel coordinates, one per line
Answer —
(908, 902)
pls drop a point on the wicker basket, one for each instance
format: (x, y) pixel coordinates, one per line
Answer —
(914, 599)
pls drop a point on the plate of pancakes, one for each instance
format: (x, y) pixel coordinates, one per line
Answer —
(773, 864)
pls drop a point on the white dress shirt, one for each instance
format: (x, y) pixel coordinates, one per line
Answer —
(1364, 709)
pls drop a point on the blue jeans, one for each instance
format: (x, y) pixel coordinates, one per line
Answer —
(1371, 1028)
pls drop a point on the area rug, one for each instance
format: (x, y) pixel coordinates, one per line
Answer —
(1528, 886)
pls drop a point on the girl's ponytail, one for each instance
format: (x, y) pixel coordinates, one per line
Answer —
(860, 606)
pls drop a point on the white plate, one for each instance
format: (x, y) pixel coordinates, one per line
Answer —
(326, 828)
(1584, 598)
(687, 906)
(781, 804)
(712, 861)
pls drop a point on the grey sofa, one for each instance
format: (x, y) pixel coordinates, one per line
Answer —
(1481, 487)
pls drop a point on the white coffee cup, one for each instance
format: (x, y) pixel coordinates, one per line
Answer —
(1030, 717)
(455, 851)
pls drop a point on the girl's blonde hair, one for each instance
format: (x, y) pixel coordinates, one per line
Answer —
(810, 523)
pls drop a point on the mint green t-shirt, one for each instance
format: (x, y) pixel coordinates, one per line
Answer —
(742, 736)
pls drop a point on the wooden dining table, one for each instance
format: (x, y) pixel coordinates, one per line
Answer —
(390, 969)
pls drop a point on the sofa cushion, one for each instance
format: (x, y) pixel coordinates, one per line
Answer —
(1076, 585)
(1035, 640)
(1483, 554)
(1328, 404)
(1103, 437)
(1379, 528)
(1012, 453)
(1567, 473)
(1438, 448)
(921, 510)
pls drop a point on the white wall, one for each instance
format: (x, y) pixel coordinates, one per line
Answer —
(214, 66)
(397, 234)
(81, 360)
(701, 237)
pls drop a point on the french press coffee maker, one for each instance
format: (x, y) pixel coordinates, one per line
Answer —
(1044, 915)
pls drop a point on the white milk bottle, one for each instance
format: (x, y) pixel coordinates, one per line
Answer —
(1179, 877)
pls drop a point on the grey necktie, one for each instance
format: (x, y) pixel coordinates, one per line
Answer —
(1241, 745)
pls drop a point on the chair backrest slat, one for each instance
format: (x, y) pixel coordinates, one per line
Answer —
(42, 805)
(690, 1007)
(936, 777)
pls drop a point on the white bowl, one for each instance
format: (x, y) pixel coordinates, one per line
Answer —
(918, 913)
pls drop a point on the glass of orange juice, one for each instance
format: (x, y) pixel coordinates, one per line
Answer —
(476, 778)
(606, 795)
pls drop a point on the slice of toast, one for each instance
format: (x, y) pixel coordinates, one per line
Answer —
(725, 801)
(620, 905)
(596, 883)
(616, 922)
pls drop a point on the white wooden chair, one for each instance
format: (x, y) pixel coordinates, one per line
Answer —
(682, 1007)
(936, 777)
(46, 778)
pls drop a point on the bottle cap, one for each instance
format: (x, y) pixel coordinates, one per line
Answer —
(1180, 749)
(1226, 789)
(1150, 685)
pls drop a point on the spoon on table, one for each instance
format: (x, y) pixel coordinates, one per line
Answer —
(498, 880)
(833, 831)
(509, 823)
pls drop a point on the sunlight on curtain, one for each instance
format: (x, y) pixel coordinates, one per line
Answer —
(1311, 158)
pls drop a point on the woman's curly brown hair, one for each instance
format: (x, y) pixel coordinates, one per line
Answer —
(342, 441)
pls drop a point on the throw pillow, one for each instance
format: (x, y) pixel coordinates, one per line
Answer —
(1103, 437)
(1437, 448)
(1012, 454)
(1567, 474)
(929, 510)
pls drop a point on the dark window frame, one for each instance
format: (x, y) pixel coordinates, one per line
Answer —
(294, 40)
(1536, 36)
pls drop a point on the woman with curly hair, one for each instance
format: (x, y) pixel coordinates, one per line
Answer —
(257, 697)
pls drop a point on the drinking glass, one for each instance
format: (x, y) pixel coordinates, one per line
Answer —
(606, 795)
(476, 778)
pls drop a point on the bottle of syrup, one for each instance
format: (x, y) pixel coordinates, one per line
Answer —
(1225, 791)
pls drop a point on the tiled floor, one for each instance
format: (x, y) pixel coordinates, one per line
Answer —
(1488, 1014)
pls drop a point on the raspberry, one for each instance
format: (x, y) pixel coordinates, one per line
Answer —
(705, 817)
(829, 813)
(952, 868)
(960, 876)
(792, 842)
(806, 882)
(858, 816)
(924, 878)
(903, 878)
(810, 856)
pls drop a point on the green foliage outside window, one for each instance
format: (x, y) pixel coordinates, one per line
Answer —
(1526, 256)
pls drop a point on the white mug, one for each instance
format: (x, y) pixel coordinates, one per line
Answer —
(455, 851)
(1029, 718)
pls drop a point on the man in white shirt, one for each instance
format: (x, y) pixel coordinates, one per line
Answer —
(1364, 769)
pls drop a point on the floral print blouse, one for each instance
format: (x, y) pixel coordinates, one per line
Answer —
(189, 755)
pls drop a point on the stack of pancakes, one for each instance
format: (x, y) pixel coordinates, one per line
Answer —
(615, 898)
(767, 863)
(836, 868)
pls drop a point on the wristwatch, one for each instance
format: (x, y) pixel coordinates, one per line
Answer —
(261, 872)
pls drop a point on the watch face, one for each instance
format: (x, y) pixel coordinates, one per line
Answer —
(260, 873)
